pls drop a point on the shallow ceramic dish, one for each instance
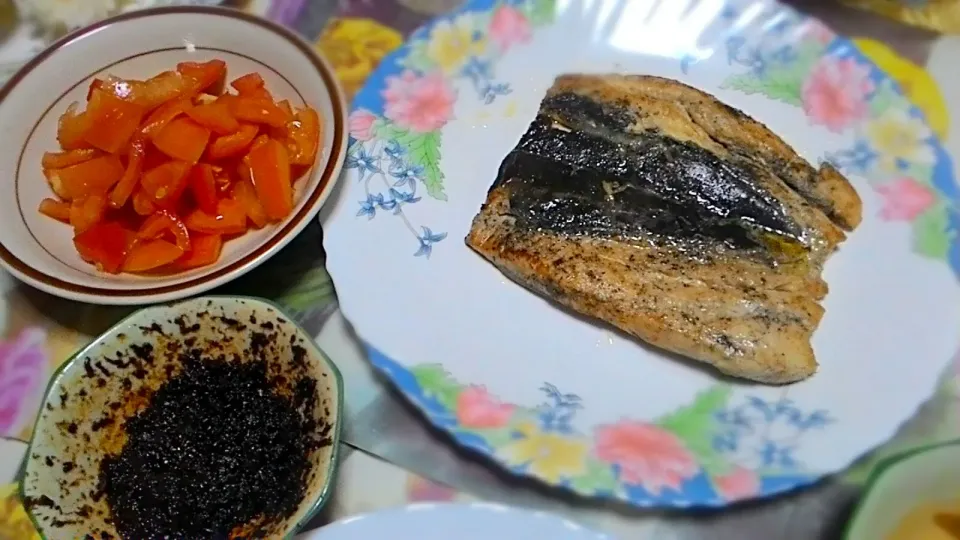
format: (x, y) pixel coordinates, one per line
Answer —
(141, 44)
(79, 396)
(474, 521)
(928, 475)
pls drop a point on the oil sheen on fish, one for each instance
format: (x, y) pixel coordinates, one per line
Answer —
(654, 207)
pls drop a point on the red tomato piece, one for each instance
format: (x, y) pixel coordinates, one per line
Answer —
(96, 84)
(215, 117)
(257, 111)
(162, 116)
(247, 83)
(203, 186)
(59, 160)
(234, 144)
(105, 244)
(244, 193)
(166, 183)
(182, 139)
(150, 255)
(305, 133)
(111, 121)
(270, 170)
(165, 222)
(131, 176)
(204, 75)
(229, 219)
(71, 128)
(87, 212)
(59, 210)
(162, 88)
(206, 251)
(92, 177)
(143, 203)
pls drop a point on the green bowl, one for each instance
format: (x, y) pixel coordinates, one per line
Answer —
(930, 474)
(59, 498)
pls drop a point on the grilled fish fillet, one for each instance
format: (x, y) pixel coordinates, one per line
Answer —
(651, 205)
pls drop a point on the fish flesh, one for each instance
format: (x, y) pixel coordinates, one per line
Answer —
(651, 205)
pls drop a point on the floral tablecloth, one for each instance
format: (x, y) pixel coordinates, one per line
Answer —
(38, 331)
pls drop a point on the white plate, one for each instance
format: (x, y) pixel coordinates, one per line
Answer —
(461, 521)
(140, 44)
(567, 401)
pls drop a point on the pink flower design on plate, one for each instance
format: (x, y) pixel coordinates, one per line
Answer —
(740, 483)
(904, 199)
(819, 32)
(22, 373)
(419, 103)
(476, 408)
(646, 454)
(508, 27)
(361, 124)
(835, 93)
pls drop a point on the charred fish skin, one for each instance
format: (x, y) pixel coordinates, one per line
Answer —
(572, 174)
(651, 206)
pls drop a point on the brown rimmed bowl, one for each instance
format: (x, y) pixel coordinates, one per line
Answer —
(141, 44)
(91, 396)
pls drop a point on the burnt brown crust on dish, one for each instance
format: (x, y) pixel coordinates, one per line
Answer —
(279, 237)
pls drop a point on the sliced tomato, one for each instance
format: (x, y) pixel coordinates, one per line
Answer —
(92, 177)
(162, 116)
(229, 219)
(150, 255)
(203, 186)
(244, 193)
(105, 244)
(165, 222)
(204, 75)
(258, 111)
(131, 175)
(111, 121)
(143, 203)
(216, 117)
(270, 170)
(183, 139)
(305, 133)
(87, 212)
(59, 160)
(206, 251)
(71, 128)
(247, 83)
(166, 183)
(59, 210)
(234, 144)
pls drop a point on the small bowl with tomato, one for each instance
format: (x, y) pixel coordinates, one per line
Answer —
(161, 153)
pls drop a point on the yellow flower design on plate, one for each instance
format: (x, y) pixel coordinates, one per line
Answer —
(355, 47)
(917, 84)
(454, 42)
(549, 456)
(14, 522)
(895, 135)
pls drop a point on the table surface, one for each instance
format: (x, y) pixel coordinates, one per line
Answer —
(355, 35)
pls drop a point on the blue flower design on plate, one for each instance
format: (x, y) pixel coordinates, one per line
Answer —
(427, 239)
(764, 435)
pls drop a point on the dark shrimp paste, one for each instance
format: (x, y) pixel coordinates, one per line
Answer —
(216, 454)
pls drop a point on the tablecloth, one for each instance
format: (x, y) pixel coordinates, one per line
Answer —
(38, 331)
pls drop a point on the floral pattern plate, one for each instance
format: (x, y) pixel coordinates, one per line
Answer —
(570, 403)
